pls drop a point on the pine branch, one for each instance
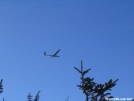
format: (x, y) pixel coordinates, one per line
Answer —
(1, 86)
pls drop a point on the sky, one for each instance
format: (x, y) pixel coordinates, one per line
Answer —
(100, 33)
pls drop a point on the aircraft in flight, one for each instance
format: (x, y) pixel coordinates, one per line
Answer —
(54, 55)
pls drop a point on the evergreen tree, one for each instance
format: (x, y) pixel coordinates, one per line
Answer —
(29, 97)
(92, 90)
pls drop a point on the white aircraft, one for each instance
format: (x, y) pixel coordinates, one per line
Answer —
(54, 55)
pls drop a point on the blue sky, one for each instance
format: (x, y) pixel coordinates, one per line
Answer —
(101, 33)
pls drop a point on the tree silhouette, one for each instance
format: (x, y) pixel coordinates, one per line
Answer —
(29, 97)
(37, 96)
(92, 90)
(1, 86)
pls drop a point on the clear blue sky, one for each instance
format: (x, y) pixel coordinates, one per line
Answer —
(101, 33)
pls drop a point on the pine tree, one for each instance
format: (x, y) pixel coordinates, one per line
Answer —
(92, 90)
(29, 97)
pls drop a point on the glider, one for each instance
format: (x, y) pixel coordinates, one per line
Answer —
(54, 55)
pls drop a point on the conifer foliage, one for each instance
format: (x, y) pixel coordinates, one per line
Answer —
(92, 90)
(29, 97)
(1, 86)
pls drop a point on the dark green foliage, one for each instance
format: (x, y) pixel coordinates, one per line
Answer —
(92, 90)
